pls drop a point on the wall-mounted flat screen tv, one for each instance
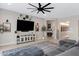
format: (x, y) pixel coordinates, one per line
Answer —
(23, 25)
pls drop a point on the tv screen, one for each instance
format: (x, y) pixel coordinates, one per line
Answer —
(23, 25)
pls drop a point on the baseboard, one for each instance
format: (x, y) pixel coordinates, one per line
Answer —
(14, 43)
(4, 44)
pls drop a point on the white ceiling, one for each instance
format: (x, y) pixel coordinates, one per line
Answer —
(60, 9)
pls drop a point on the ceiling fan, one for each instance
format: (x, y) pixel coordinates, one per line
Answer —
(41, 8)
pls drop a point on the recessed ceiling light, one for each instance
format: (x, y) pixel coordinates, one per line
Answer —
(9, 3)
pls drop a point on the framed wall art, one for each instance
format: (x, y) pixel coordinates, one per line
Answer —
(7, 27)
(1, 28)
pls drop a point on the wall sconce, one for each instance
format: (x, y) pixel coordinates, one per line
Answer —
(24, 18)
(15, 31)
(7, 20)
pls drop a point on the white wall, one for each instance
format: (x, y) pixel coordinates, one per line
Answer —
(73, 34)
(73, 25)
(10, 37)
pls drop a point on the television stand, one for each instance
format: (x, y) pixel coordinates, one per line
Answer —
(24, 38)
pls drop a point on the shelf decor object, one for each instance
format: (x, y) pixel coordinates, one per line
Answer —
(43, 28)
(26, 16)
(37, 27)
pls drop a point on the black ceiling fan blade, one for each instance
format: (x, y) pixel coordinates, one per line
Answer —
(49, 8)
(46, 5)
(39, 5)
(33, 5)
(42, 12)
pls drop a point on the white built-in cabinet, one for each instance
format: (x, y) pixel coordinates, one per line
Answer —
(24, 38)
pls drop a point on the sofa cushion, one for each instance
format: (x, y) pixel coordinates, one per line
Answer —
(66, 41)
(65, 47)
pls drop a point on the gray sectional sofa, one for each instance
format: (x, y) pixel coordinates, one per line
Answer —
(64, 45)
(71, 52)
